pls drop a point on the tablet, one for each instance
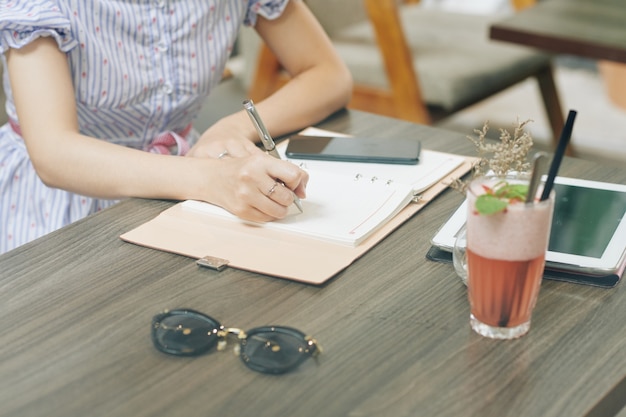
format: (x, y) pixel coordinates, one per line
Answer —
(405, 151)
(588, 232)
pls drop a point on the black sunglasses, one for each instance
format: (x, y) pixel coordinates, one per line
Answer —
(269, 349)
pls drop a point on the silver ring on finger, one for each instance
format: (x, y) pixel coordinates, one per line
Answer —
(272, 189)
(223, 154)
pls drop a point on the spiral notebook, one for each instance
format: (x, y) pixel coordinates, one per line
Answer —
(349, 208)
(339, 209)
(347, 202)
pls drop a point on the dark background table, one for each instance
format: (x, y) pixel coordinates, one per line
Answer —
(76, 308)
(589, 28)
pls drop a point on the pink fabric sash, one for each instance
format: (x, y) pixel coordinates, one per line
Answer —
(164, 142)
(15, 127)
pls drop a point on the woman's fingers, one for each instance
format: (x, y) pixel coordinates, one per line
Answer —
(259, 187)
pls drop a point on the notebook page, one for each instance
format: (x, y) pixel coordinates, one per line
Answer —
(432, 167)
(340, 208)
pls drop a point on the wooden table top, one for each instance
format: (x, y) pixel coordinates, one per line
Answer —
(77, 304)
(593, 29)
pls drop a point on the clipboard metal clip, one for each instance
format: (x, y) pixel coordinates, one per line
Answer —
(417, 198)
(213, 262)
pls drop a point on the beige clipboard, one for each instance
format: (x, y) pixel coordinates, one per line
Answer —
(252, 248)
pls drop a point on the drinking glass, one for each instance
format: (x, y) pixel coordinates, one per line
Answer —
(505, 258)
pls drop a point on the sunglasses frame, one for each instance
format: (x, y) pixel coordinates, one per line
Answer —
(311, 346)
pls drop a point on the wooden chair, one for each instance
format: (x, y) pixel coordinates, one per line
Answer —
(420, 64)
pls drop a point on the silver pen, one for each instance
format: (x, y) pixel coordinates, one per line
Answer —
(266, 139)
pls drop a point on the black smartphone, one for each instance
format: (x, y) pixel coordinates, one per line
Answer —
(404, 151)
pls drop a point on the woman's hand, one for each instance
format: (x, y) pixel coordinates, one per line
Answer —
(251, 187)
(231, 136)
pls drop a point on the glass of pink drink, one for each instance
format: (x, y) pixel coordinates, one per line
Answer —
(505, 261)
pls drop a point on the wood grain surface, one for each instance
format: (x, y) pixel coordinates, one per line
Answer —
(77, 304)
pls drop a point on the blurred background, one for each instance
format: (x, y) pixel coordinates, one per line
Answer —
(600, 129)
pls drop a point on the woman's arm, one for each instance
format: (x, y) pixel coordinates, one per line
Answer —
(63, 158)
(320, 84)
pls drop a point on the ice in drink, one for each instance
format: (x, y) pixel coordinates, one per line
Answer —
(505, 261)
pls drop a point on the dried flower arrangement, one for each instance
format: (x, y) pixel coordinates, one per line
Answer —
(509, 155)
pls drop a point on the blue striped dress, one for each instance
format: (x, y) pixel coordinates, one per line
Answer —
(141, 70)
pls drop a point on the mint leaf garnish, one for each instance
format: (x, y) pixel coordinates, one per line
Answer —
(499, 197)
(488, 204)
(512, 191)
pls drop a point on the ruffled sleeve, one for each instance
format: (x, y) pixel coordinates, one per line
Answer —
(22, 21)
(269, 9)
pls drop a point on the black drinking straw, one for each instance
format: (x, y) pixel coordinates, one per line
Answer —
(566, 134)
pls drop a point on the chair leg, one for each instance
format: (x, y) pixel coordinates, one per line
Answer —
(266, 78)
(552, 104)
(405, 90)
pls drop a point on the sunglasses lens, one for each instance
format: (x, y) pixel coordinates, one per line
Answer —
(184, 332)
(275, 350)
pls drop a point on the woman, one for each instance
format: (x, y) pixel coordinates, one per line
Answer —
(93, 84)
